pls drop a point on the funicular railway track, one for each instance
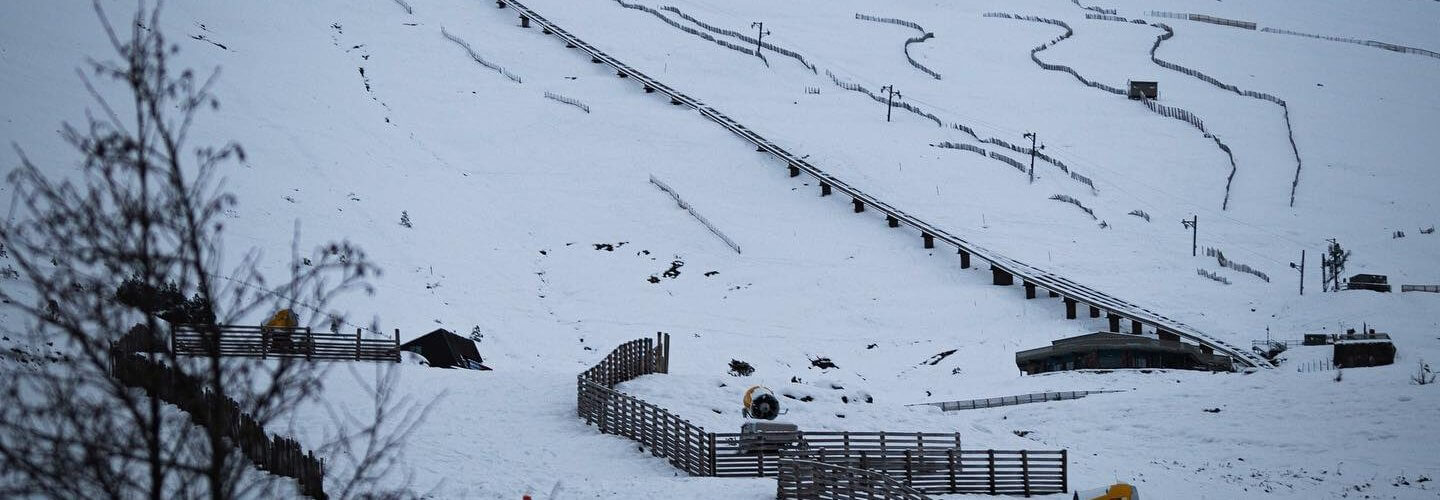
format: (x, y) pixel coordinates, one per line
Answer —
(1004, 268)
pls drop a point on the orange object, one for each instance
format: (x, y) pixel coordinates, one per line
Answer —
(283, 318)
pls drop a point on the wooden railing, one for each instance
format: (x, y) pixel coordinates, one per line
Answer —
(951, 470)
(924, 461)
(274, 454)
(930, 233)
(274, 342)
(807, 479)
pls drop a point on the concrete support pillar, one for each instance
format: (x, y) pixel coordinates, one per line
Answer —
(892, 221)
(569, 45)
(929, 240)
(1069, 308)
(524, 22)
(824, 189)
(649, 89)
(1135, 327)
(964, 260)
(1114, 322)
(759, 148)
(794, 171)
(499, 4)
(677, 103)
(621, 74)
(859, 205)
(1029, 290)
(1094, 312)
(545, 30)
(1053, 294)
(594, 59)
(1000, 276)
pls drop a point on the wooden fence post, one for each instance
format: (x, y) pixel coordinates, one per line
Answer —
(712, 455)
(1025, 470)
(909, 467)
(991, 453)
(357, 344)
(396, 353)
(951, 455)
(1064, 470)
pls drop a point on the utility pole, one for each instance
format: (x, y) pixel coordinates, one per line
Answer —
(890, 99)
(1033, 138)
(1193, 224)
(759, 34)
(1301, 268)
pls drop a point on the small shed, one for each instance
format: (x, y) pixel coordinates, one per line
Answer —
(1148, 90)
(1376, 282)
(1315, 339)
(446, 350)
(1364, 349)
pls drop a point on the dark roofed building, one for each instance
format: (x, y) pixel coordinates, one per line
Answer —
(1363, 349)
(444, 349)
(1139, 89)
(1376, 282)
(1107, 350)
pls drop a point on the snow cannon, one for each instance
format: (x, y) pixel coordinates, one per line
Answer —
(763, 405)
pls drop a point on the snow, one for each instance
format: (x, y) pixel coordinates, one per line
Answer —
(537, 222)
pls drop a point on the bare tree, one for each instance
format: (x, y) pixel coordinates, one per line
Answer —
(145, 210)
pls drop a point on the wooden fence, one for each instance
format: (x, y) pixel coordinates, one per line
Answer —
(274, 454)
(928, 462)
(807, 479)
(272, 342)
(1420, 288)
(950, 471)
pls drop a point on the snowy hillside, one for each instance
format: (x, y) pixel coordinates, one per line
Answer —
(539, 224)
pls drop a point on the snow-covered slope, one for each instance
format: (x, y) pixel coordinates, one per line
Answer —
(537, 223)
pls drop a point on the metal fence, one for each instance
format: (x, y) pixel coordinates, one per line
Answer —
(1369, 43)
(1036, 397)
(1420, 288)
(1204, 19)
(276, 342)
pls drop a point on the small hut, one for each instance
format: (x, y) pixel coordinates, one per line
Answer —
(446, 350)
(1316, 339)
(1148, 90)
(1376, 282)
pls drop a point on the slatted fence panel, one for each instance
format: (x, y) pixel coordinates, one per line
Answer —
(271, 342)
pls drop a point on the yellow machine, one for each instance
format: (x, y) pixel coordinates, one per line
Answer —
(1117, 491)
(283, 318)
